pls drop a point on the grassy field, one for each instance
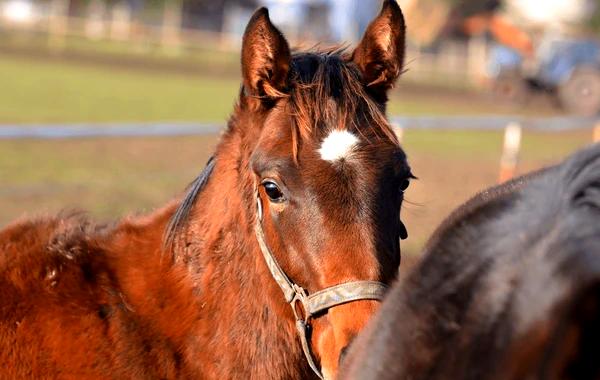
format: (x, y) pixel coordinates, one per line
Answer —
(51, 92)
(205, 53)
(36, 91)
(114, 177)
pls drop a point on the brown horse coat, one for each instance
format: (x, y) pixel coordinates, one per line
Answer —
(184, 292)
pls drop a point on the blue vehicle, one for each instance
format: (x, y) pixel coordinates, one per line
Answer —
(570, 69)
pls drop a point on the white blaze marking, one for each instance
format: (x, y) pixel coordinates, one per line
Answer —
(337, 145)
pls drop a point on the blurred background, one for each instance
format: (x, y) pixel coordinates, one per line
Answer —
(114, 106)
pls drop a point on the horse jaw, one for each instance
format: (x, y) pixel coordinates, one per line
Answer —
(328, 374)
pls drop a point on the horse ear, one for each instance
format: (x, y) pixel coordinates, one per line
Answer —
(265, 58)
(380, 54)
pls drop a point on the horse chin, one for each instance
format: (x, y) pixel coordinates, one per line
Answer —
(337, 331)
(329, 366)
(327, 374)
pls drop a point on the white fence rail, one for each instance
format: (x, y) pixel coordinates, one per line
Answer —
(400, 123)
(512, 127)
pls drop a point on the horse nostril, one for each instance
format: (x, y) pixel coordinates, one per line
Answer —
(343, 353)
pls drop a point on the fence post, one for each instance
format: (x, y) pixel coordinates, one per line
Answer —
(94, 23)
(510, 151)
(477, 58)
(58, 24)
(596, 134)
(171, 27)
(120, 22)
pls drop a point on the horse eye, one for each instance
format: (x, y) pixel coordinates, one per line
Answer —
(404, 185)
(273, 192)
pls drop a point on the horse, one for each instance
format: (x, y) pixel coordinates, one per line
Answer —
(302, 197)
(509, 288)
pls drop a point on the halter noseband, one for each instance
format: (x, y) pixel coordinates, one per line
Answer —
(314, 303)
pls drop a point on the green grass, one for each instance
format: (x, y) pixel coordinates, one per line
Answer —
(48, 92)
(485, 145)
(206, 52)
(416, 106)
(107, 177)
(63, 92)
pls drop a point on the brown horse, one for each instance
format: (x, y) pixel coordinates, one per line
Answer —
(308, 176)
(509, 288)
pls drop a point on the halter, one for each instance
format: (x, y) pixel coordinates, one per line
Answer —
(314, 303)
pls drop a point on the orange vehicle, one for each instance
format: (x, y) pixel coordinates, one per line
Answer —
(568, 68)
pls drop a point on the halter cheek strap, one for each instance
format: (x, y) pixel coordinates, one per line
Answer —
(314, 303)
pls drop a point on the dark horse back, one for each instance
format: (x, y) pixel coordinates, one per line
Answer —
(509, 288)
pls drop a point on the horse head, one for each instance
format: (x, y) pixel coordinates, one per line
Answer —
(326, 169)
(310, 177)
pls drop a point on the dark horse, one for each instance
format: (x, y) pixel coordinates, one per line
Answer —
(509, 288)
(308, 176)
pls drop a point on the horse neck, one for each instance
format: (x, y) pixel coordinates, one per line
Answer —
(245, 311)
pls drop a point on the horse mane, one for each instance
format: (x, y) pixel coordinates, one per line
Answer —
(180, 218)
(320, 74)
(548, 199)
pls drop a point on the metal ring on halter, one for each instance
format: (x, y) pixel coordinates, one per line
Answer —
(301, 297)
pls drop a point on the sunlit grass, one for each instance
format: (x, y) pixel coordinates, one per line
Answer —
(62, 92)
(48, 92)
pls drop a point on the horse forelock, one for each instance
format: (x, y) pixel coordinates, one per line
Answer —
(327, 93)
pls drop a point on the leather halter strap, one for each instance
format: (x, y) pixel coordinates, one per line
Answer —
(317, 302)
